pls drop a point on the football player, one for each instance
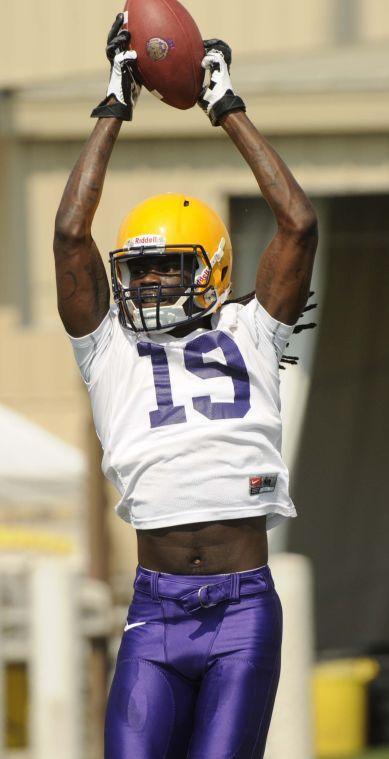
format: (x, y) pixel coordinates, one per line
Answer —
(184, 386)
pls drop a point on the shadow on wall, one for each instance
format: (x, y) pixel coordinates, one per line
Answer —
(340, 487)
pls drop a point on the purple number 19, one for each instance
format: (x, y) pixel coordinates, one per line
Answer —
(235, 368)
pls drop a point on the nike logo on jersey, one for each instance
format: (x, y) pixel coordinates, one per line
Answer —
(265, 483)
(134, 624)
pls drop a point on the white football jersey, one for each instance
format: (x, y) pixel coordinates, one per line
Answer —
(191, 426)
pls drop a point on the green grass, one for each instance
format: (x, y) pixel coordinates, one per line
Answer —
(378, 753)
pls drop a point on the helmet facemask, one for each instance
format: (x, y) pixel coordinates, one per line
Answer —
(158, 307)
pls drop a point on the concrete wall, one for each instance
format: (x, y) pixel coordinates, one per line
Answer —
(374, 20)
(62, 38)
(57, 39)
(38, 379)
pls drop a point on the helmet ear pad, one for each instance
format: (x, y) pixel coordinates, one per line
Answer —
(220, 276)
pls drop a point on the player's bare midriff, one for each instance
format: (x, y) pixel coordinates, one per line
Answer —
(232, 545)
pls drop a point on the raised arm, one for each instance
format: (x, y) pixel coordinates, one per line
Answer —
(285, 268)
(82, 284)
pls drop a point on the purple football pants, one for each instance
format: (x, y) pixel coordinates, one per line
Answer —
(198, 667)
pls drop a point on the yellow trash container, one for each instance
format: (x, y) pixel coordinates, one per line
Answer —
(340, 701)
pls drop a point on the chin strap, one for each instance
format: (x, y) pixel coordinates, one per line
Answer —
(174, 312)
(224, 296)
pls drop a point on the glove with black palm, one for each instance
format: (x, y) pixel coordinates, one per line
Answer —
(218, 97)
(122, 86)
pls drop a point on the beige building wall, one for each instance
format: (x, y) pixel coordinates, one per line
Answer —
(4, 262)
(374, 20)
(38, 379)
(63, 39)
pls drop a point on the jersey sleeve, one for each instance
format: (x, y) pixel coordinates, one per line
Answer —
(91, 350)
(265, 329)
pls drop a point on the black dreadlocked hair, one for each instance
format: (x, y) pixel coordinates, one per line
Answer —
(285, 359)
(244, 299)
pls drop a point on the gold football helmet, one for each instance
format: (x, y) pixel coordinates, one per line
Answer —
(159, 228)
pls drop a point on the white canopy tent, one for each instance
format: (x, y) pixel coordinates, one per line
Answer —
(36, 466)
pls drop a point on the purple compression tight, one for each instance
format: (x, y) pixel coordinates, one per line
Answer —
(198, 667)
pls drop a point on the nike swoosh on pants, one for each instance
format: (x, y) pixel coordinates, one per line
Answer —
(134, 624)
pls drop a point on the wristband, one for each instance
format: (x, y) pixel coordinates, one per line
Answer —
(228, 104)
(107, 110)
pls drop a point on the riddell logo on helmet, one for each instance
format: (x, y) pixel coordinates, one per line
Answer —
(202, 279)
(156, 241)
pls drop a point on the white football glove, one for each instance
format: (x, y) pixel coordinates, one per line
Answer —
(122, 83)
(218, 97)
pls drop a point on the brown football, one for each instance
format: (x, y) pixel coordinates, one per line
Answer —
(170, 50)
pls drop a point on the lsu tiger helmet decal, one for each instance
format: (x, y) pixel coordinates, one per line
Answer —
(165, 233)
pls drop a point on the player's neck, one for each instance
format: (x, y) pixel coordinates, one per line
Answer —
(186, 329)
